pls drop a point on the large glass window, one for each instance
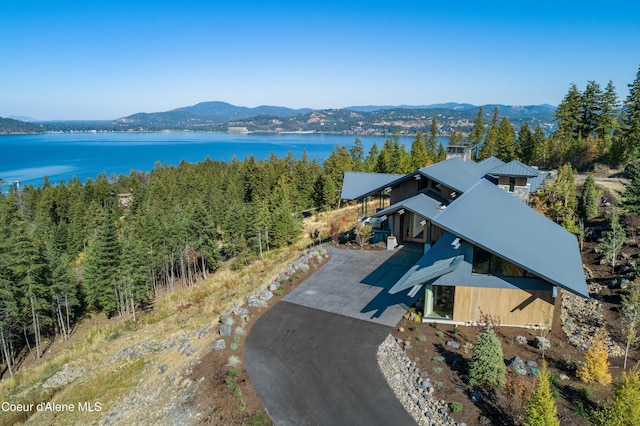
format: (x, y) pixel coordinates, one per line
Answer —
(489, 264)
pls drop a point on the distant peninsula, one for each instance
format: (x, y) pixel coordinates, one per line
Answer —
(357, 120)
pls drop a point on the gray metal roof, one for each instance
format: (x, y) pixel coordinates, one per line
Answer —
(454, 173)
(490, 163)
(535, 182)
(421, 273)
(514, 168)
(425, 205)
(490, 218)
(357, 185)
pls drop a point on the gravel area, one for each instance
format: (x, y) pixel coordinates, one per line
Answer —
(412, 387)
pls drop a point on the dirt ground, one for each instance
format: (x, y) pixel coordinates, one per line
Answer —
(447, 367)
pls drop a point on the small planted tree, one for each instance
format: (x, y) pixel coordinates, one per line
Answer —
(625, 407)
(487, 367)
(613, 240)
(541, 409)
(596, 369)
(630, 315)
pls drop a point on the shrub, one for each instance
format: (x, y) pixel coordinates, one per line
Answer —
(233, 373)
(541, 409)
(456, 329)
(233, 361)
(437, 359)
(487, 363)
(456, 406)
(625, 407)
(437, 370)
(422, 338)
(596, 368)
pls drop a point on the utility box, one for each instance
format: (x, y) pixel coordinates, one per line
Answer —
(391, 242)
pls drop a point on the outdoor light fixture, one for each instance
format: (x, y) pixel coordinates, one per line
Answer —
(401, 211)
(417, 177)
(382, 218)
(454, 194)
(456, 243)
(423, 223)
(388, 189)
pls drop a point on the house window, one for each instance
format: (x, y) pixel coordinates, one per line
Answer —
(485, 263)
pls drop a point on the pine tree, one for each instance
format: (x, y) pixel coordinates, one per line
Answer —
(597, 363)
(100, 271)
(371, 161)
(569, 115)
(419, 156)
(476, 135)
(432, 140)
(487, 367)
(64, 289)
(488, 148)
(525, 145)
(630, 315)
(632, 190)
(541, 409)
(630, 119)
(357, 155)
(612, 241)
(505, 142)
(588, 200)
(541, 153)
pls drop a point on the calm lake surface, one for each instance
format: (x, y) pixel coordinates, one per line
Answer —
(61, 156)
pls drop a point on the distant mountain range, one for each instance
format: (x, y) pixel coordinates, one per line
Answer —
(360, 120)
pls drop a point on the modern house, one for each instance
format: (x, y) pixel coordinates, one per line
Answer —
(486, 252)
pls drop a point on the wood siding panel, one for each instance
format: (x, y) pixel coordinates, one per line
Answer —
(405, 190)
(513, 307)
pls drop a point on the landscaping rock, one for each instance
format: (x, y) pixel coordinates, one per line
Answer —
(413, 391)
(542, 343)
(274, 286)
(453, 344)
(253, 301)
(225, 330)
(162, 369)
(517, 365)
(266, 295)
(522, 340)
(219, 345)
(532, 364)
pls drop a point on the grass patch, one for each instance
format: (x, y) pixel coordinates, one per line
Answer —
(106, 386)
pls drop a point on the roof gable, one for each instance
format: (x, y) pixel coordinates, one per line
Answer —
(490, 218)
(456, 174)
(514, 168)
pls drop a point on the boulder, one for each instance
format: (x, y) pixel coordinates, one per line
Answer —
(522, 340)
(541, 343)
(219, 345)
(517, 365)
(265, 295)
(453, 344)
(225, 330)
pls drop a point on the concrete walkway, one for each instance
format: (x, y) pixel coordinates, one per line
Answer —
(312, 357)
(355, 283)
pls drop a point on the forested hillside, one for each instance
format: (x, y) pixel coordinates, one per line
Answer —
(111, 246)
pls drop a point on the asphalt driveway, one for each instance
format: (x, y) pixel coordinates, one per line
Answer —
(312, 357)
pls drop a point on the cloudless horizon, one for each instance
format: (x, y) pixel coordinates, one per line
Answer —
(82, 60)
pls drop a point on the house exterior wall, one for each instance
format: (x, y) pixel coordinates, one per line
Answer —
(511, 306)
(406, 189)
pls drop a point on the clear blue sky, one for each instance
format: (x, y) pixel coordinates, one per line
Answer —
(107, 59)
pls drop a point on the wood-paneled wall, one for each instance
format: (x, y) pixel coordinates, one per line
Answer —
(512, 306)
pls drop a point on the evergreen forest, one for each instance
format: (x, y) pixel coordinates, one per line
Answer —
(112, 244)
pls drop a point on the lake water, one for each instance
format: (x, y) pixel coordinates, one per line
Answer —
(61, 156)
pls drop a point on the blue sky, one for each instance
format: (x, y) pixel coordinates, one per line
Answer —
(103, 60)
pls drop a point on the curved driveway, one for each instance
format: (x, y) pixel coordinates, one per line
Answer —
(312, 357)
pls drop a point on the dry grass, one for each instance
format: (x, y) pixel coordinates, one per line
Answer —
(177, 314)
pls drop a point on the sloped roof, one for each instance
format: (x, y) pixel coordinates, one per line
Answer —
(514, 168)
(358, 184)
(427, 206)
(421, 273)
(490, 218)
(489, 163)
(535, 182)
(456, 174)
